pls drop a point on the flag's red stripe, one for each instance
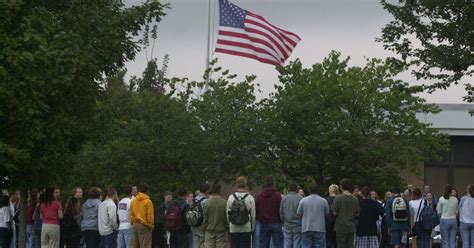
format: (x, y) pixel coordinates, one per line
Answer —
(247, 55)
(252, 39)
(275, 43)
(282, 30)
(271, 30)
(247, 46)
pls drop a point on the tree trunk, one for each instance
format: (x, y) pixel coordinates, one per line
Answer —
(22, 232)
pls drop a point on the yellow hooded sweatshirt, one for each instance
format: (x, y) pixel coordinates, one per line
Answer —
(141, 210)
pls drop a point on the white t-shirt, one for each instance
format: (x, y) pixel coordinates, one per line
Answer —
(124, 213)
(5, 217)
(414, 206)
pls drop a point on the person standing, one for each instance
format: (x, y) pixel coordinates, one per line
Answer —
(346, 209)
(71, 223)
(51, 213)
(447, 209)
(423, 237)
(268, 214)
(15, 202)
(108, 220)
(124, 238)
(241, 214)
(215, 219)
(426, 191)
(90, 218)
(397, 215)
(162, 237)
(313, 210)
(466, 217)
(370, 213)
(142, 218)
(5, 221)
(38, 222)
(333, 191)
(30, 221)
(175, 221)
(199, 204)
(291, 219)
(77, 193)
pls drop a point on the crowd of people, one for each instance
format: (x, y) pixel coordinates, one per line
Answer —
(347, 217)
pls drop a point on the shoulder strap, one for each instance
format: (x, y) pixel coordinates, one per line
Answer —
(243, 198)
(419, 210)
(202, 199)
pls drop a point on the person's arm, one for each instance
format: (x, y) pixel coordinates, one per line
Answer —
(282, 213)
(300, 209)
(439, 208)
(412, 215)
(206, 217)
(60, 211)
(388, 214)
(335, 206)
(112, 213)
(150, 215)
(457, 206)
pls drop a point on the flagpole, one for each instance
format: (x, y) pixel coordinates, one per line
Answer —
(208, 54)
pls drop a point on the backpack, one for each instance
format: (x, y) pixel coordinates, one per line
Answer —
(399, 209)
(195, 215)
(173, 218)
(428, 217)
(239, 213)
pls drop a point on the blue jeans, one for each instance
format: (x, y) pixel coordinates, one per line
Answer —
(124, 238)
(91, 238)
(37, 239)
(292, 238)
(108, 241)
(271, 232)
(448, 228)
(29, 236)
(312, 239)
(467, 235)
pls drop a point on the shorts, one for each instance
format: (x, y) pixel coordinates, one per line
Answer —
(396, 237)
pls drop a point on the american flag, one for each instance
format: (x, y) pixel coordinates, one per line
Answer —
(243, 33)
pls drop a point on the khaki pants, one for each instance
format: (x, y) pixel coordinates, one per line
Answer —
(141, 236)
(198, 237)
(216, 240)
(50, 236)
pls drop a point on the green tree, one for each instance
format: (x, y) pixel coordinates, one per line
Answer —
(332, 121)
(434, 38)
(53, 56)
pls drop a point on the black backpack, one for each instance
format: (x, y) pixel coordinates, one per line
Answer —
(239, 213)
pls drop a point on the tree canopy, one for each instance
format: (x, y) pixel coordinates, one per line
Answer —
(433, 38)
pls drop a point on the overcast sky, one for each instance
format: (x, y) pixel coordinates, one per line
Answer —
(348, 26)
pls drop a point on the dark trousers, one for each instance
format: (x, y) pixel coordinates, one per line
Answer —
(423, 237)
(5, 236)
(179, 239)
(108, 241)
(159, 236)
(240, 240)
(271, 232)
(91, 238)
(345, 240)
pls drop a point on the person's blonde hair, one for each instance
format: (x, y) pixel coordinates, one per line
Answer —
(334, 189)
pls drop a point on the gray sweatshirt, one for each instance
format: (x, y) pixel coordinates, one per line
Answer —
(288, 207)
(90, 212)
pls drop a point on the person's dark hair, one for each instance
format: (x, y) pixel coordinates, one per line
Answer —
(48, 195)
(72, 206)
(396, 190)
(204, 188)
(95, 193)
(128, 190)
(346, 184)
(269, 183)
(168, 193)
(182, 192)
(365, 191)
(416, 193)
(216, 189)
(5, 201)
(447, 191)
(111, 192)
(33, 198)
(314, 188)
(144, 188)
(292, 186)
(470, 190)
